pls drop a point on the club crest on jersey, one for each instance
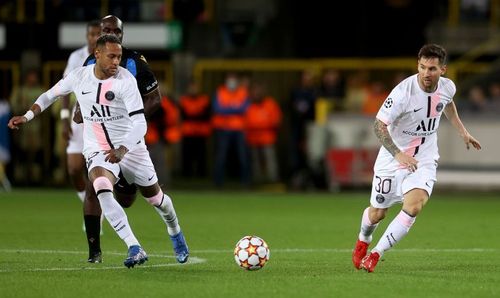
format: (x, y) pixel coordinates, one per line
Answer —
(109, 95)
(439, 107)
(380, 198)
(388, 103)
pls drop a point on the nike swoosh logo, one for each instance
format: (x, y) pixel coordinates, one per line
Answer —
(416, 110)
(83, 93)
(149, 179)
(117, 225)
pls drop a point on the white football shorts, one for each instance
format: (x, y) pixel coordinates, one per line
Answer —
(389, 188)
(136, 166)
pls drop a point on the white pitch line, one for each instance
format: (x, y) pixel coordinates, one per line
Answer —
(72, 252)
(196, 260)
(191, 261)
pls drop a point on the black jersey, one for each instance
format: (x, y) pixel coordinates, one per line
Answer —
(138, 66)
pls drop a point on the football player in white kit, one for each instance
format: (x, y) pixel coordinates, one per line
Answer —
(114, 129)
(405, 169)
(73, 132)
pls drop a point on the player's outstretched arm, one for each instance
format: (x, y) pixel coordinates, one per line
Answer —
(451, 113)
(16, 121)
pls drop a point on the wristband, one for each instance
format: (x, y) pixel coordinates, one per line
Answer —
(29, 115)
(64, 114)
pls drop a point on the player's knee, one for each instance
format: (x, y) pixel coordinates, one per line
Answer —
(413, 210)
(102, 183)
(155, 200)
(376, 215)
(414, 207)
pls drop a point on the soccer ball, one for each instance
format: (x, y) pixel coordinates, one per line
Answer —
(251, 253)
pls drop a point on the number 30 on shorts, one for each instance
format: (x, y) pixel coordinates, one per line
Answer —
(383, 185)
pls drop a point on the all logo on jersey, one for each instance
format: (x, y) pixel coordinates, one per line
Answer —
(429, 126)
(102, 112)
(388, 103)
(109, 95)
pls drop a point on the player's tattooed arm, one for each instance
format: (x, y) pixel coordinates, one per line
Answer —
(384, 137)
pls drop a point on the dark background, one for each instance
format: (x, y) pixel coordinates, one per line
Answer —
(300, 29)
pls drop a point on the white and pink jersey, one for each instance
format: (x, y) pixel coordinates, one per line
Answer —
(106, 106)
(413, 116)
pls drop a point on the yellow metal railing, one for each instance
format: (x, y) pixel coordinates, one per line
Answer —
(314, 65)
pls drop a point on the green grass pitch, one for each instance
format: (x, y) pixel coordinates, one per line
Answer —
(453, 250)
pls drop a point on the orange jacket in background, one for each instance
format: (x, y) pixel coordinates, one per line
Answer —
(374, 99)
(196, 113)
(229, 108)
(262, 122)
(164, 124)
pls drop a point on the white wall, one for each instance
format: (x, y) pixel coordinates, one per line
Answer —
(2, 36)
(140, 36)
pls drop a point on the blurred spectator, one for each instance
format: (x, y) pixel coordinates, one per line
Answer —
(196, 129)
(494, 97)
(377, 93)
(356, 92)
(230, 104)
(302, 112)
(332, 89)
(4, 143)
(163, 132)
(263, 119)
(477, 101)
(330, 96)
(27, 146)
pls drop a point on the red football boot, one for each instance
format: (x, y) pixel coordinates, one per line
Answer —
(370, 261)
(359, 253)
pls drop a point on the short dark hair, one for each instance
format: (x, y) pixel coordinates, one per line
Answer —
(434, 51)
(93, 23)
(105, 38)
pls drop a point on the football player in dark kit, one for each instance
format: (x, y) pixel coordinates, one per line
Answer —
(125, 192)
